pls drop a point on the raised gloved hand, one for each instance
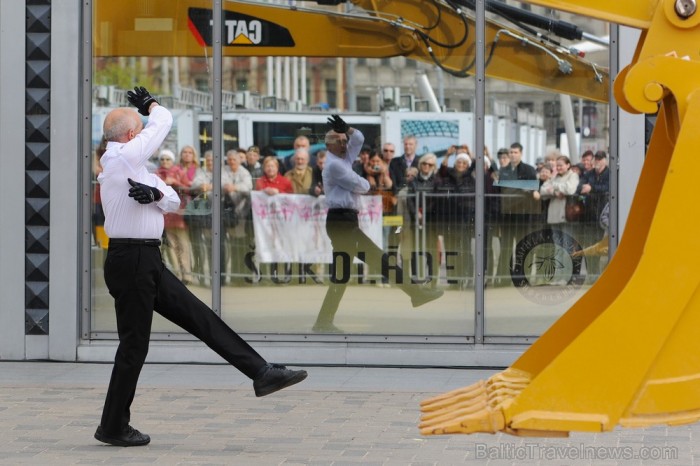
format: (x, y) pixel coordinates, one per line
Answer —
(337, 124)
(141, 99)
(142, 193)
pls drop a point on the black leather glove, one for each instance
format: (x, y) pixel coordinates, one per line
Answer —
(337, 124)
(141, 99)
(144, 194)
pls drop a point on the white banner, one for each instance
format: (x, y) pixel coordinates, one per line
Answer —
(292, 227)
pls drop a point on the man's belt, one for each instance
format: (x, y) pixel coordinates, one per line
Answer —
(135, 241)
(342, 211)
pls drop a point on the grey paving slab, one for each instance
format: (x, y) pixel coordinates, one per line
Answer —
(208, 415)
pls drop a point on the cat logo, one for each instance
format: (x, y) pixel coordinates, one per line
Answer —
(238, 30)
(243, 32)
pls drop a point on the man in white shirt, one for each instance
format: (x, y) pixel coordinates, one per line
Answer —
(343, 188)
(134, 202)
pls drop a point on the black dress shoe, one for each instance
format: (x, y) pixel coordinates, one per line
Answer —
(130, 437)
(275, 377)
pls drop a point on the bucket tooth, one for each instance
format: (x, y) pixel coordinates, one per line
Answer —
(476, 408)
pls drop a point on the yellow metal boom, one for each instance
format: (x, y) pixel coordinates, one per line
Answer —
(428, 31)
(627, 352)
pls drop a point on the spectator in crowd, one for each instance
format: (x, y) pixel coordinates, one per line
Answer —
(421, 208)
(491, 214)
(362, 160)
(400, 170)
(520, 211)
(503, 157)
(453, 150)
(189, 164)
(236, 184)
(455, 211)
(179, 249)
(550, 159)
(376, 171)
(399, 165)
(272, 182)
(301, 177)
(301, 174)
(252, 163)
(556, 189)
(200, 208)
(388, 152)
(300, 142)
(544, 174)
(242, 155)
(316, 188)
(98, 215)
(595, 190)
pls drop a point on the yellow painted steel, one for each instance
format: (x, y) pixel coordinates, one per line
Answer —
(627, 352)
(389, 28)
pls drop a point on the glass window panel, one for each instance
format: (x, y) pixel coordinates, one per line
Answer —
(181, 84)
(533, 272)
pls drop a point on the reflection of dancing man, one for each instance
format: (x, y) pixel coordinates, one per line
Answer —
(343, 187)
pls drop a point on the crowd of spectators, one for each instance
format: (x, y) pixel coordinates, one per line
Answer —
(430, 199)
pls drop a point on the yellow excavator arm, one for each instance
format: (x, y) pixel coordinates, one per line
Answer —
(627, 352)
(432, 32)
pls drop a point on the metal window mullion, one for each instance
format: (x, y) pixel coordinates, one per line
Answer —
(86, 169)
(217, 148)
(479, 227)
(614, 152)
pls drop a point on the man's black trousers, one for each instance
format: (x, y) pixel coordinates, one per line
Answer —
(139, 283)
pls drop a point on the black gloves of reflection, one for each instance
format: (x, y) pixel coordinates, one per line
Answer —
(143, 194)
(141, 99)
(337, 124)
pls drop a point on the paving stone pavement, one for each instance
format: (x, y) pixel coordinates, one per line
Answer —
(208, 415)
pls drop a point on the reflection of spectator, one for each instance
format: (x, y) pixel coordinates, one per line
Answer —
(595, 189)
(557, 189)
(503, 157)
(316, 188)
(519, 209)
(399, 165)
(98, 216)
(301, 174)
(272, 183)
(421, 208)
(252, 163)
(200, 190)
(236, 184)
(189, 163)
(388, 152)
(179, 250)
(380, 184)
(455, 211)
(362, 160)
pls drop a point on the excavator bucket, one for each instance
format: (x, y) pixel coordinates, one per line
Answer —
(627, 352)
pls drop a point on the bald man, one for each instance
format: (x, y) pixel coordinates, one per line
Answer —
(134, 202)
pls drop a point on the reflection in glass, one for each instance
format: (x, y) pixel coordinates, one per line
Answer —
(544, 211)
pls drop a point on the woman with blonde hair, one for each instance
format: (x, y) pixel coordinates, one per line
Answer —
(558, 188)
